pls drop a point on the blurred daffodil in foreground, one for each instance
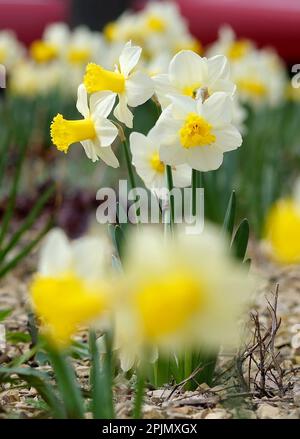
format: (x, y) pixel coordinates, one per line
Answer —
(132, 87)
(179, 294)
(283, 231)
(95, 132)
(69, 289)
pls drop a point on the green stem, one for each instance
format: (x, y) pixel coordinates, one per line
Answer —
(188, 368)
(171, 198)
(196, 183)
(67, 384)
(129, 164)
(139, 394)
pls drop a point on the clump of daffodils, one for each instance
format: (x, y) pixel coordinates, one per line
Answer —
(197, 125)
(70, 288)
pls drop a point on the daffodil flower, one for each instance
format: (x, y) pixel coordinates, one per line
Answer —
(190, 75)
(69, 289)
(95, 132)
(283, 231)
(236, 50)
(150, 167)
(133, 88)
(180, 294)
(11, 50)
(197, 133)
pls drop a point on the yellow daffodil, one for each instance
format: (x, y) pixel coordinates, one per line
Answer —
(133, 88)
(283, 231)
(95, 132)
(69, 290)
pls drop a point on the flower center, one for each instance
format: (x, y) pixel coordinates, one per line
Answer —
(157, 164)
(196, 131)
(252, 86)
(79, 56)
(156, 24)
(238, 49)
(110, 31)
(98, 79)
(165, 306)
(191, 90)
(65, 132)
(43, 52)
(64, 303)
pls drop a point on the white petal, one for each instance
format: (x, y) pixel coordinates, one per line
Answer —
(217, 109)
(82, 101)
(129, 58)
(139, 88)
(55, 255)
(102, 102)
(182, 175)
(228, 138)
(122, 112)
(173, 154)
(166, 128)
(205, 158)
(182, 106)
(218, 67)
(138, 144)
(108, 156)
(127, 360)
(187, 69)
(163, 88)
(89, 256)
(90, 149)
(106, 131)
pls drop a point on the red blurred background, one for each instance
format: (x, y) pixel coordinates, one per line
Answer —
(268, 22)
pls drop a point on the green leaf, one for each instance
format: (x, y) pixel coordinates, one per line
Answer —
(67, 384)
(229, 218)
(28, 221)
(240, 240)
(38, 380)
(25, 251)
(18, 337)
(4, 313)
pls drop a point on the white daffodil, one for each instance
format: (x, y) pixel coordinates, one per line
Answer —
(57, 34)
(260, 79)
(69, 288)
(179, 294)
(190, 75)
(85, 46)
(149, 166)
(31, 80)
(133, 88)
(95, 132)
(234, 49)
(197, 133)
(11, 50)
